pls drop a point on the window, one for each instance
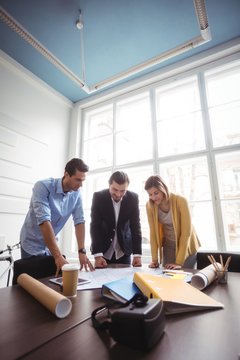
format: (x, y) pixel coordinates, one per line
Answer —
(98, 137)
(187, 129)
(228, 169)
(133, 130)
(179, 118)
(190, 177)
(223, 95)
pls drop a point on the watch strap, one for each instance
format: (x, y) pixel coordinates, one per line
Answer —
(82, 251)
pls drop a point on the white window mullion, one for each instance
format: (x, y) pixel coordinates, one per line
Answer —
(154, 130)
(211, 165)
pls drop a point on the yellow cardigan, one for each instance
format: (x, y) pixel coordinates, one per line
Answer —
(187, 242)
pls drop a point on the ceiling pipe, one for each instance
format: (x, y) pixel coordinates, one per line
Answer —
(200, 40)
(23, 33)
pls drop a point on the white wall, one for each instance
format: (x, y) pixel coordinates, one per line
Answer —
(34, 144)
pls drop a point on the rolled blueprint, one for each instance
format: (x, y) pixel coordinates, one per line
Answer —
(51, 299)
(204, 277)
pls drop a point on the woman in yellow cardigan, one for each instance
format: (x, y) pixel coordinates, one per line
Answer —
(173, 240)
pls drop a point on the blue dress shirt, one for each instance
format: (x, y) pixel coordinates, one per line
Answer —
(49, 203)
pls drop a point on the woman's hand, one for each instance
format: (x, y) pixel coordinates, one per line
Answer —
(154, 265)
(172, 266)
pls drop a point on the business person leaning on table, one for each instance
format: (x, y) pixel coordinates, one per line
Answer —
(115, 224)
(53, 202)
(173, 239)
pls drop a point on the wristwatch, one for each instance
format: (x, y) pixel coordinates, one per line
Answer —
(82, 251)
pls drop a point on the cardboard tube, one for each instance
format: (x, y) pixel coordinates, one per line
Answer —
(51, 299)
(204, 277)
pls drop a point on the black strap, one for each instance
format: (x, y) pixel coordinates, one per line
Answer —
(137, 300)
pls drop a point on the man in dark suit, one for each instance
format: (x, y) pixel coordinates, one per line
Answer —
(115, 224)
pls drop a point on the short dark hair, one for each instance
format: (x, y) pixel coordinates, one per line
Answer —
(119, 177)
(76, 164)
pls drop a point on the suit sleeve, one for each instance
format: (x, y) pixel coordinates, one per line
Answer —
(102, 224)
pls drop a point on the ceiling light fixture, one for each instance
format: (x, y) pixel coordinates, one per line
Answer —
(204, 37)
(79, 25)
(23, 33)
(79, 22)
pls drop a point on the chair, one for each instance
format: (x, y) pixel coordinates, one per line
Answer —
(36, 266)
(234, 265)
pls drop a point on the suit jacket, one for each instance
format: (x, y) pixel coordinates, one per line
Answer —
(103, 227)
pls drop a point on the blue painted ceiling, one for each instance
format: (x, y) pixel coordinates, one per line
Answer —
(117, 34)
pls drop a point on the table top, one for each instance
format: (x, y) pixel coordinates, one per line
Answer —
(29, 330)
(25, 324)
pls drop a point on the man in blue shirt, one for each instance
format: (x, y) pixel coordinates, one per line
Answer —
(53, 202)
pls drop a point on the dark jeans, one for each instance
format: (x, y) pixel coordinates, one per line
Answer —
(122, 260)
(38, 266)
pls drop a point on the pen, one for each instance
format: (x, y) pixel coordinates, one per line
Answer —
(177, 272)
(166, 274)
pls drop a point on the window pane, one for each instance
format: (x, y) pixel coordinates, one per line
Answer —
(190, 178)
(134, 145)
(133, 130)
(179, 118)
(223, 95)
(225, 124)
(133, 112)
(94, 182)
(228, 168)
(98, 137)
(98, 152)
(203, 220)
(98, 122)
(223, 84)
(138, 176)
(186, 137)
(231, 215)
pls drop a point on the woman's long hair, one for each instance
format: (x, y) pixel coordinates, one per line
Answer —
(157, 182)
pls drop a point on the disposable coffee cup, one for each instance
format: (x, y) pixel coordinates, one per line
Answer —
(70, 279)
